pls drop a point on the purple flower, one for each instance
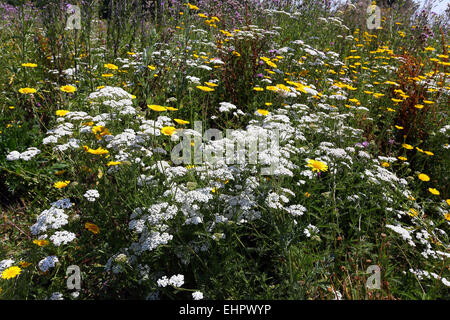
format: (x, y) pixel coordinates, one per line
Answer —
(364, 144)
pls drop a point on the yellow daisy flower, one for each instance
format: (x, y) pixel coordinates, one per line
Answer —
(171, 108)
(156, 107)
(113, 163)
(317, 166)
(407, 146)
(62, 113)
(111, 66)
(263, 112)
(434, 191)
(68, 89)
(206, 89)
(98, 151)
(61, 184)
(180, 121)
(27, 90)
(11, 272)
(29, 65)
(168, 131)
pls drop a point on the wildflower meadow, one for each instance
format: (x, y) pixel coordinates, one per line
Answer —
(224, 150)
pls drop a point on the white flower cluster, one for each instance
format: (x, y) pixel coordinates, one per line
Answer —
(110, 93)
(115, 98)
(91, 195)
(52, 218)
(176, 281)
(403, 232)
(296, 210)
(5, 264)
(197, 295)
(71, 144)
(155, 215)
(193, 80)
(226, 107)
(421, 274)
(127, 139)
(310, 230)
(150, 241)
(62, 130)
(276, 201)
(62, 237)
(27, 155)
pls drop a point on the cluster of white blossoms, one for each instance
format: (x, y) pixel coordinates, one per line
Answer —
(27, 155)
(110, 93)
(52, 218)
(421, 274)
(116, 101)
(62, 237)
(91, 195)
(310, 230)
(5, 264)
(193, 80)
(150, 240)
(176, 281)
(403, 232)
(197, 295)
(226, 107)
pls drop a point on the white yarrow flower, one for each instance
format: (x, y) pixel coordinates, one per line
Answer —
(91, 195)
(62, 237)
(197, 295)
